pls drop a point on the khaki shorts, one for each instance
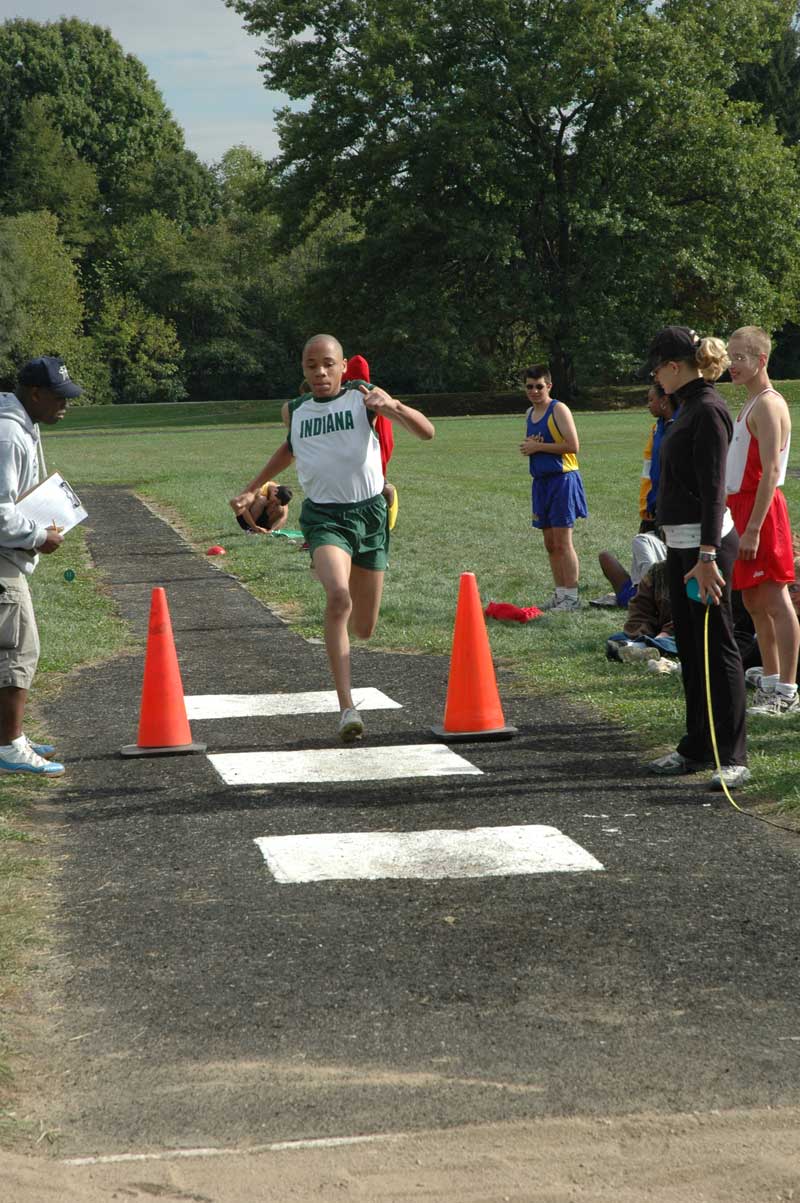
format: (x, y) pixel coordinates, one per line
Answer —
(360, 529)
(19, 637)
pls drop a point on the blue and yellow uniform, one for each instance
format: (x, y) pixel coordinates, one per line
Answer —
(557, 495)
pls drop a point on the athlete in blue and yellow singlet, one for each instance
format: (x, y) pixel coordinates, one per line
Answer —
(557, 496)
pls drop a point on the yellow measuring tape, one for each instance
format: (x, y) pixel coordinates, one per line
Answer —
(711, 718)
(748, 813)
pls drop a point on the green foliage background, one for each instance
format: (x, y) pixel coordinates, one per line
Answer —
(461, 188)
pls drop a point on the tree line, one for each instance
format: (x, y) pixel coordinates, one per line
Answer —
(463, 186)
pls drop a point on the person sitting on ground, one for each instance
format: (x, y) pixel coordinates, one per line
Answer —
(648, 632)
(268, 512)
(648, 548)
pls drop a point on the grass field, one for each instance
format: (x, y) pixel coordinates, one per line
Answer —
(464, 506)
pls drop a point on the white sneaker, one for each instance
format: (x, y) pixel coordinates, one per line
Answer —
(774, 704)
(733, 775)
(631, 653)
(752, 676)
(762, 701)
(551, 602)
(565, 604)
(665, 666)
(25, 760)
(351, 726)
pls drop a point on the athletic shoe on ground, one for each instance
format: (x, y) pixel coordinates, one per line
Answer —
(733, 775)
(28, 761)
(752, 676)
(607, 602)
(774, 704)
(761, 699)
(632, 653)
(45, 750)
(351, 726)
(563, 605)
(551, 602)
(674, 765)
(666, 666)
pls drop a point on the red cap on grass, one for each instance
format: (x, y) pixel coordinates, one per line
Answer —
(216, 550)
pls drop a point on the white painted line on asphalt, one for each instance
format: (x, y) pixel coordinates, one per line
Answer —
(340, 764)
(479, 852)
(250, 705)
(281, 1146)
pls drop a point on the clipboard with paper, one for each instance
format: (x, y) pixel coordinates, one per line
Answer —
(53, 502)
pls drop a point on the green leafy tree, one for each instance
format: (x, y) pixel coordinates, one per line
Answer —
(570, 173)
(141, 350)
(14, 284)
(48, 303)
(43, 172)
(774, 85)
(108, 112)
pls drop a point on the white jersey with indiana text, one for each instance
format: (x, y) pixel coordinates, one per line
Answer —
(335, 447)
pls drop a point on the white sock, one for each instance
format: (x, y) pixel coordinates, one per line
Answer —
(787, 689)
(768, 683)
(563, 591)
(17, 745)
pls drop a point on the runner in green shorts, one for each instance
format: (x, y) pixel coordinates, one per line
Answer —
(331, 436)
(360, 529)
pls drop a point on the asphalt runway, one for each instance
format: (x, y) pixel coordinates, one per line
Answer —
(193, 1000)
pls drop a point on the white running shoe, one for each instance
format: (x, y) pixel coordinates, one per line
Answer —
(762, 701)
(632, 653)
(25, 760)
(351, 726)
(774, 704)
(664, 666)
(733, 775)
(563, 605)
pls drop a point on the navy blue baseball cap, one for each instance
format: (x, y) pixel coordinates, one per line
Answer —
(676, 343)
(49, 372)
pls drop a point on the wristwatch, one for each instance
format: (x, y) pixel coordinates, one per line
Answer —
(707, 557)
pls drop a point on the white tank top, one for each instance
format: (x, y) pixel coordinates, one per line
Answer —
(740, 447)
(338, 457)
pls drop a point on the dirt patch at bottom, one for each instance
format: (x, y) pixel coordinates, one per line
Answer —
(732, 1157)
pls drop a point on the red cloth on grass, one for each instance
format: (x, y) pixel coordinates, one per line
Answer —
(507, 612)
(358, 369)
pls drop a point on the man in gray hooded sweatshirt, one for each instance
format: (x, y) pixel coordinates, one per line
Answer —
(41, 396)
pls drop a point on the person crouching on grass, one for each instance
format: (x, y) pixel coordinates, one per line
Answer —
(557, 496)
(331, 436)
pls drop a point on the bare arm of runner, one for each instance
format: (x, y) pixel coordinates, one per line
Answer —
(414, 422)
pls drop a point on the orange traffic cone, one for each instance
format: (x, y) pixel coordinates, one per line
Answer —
(472, 710)
(163, 725)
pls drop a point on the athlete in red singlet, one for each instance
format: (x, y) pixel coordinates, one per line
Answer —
(756, 468)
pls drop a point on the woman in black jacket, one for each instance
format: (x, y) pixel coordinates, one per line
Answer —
(701, 545)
